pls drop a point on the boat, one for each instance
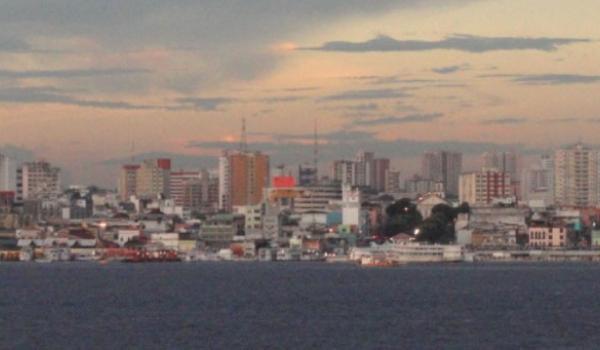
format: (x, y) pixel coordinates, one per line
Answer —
(143, 256)
(376, 261)
(54, 254)
(409, 252)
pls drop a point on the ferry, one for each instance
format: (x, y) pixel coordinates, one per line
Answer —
(409, 252)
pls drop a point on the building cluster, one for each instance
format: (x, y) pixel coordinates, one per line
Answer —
(246, 209)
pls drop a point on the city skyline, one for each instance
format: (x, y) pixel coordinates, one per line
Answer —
(88, 85)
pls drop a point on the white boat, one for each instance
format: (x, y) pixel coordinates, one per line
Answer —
(410, 252)
(55, 254)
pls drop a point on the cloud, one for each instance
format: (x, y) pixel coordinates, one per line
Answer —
(467, 43)
(389, 79)
(369, 94)
(205, 104)
(218, 41)
(412, 118)
(41, 95)
(556, 79)
(561, 120)
(298, 148)
(366, 107)
(547, 79)
(450, 69)
(282, 99)
(12, 44)
(68, 73)
(505, 121)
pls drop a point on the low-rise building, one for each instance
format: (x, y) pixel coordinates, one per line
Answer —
(547, 236)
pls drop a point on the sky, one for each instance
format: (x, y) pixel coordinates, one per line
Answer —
(92, 84)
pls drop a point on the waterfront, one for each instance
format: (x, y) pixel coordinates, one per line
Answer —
(298, 306)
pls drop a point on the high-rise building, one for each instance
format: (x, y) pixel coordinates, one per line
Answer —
(444, 167)
(576, 176)
(38, 180)
(482, 187)
(537, 183)
(225, 181)
(128, 178)
(180, 182)
(364, 165)
(419, 185)
(307, 175)
(345, 172)
(243, 177)
(7, 171)
(153, 178)
(381, 167)
(506, 162)
(392, 181)
(364, 171)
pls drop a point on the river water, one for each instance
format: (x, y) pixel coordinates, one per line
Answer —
(298, 306)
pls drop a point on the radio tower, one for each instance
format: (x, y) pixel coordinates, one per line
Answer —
(243, 140)
(316, 153)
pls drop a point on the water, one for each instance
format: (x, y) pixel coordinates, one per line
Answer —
(298, 306)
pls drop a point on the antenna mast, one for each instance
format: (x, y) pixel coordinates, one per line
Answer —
(316, 152)
(243, 139)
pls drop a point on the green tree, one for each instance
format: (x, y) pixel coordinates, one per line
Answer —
(439, 227)
(402, 217)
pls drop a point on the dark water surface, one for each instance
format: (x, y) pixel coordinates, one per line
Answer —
(298, 306)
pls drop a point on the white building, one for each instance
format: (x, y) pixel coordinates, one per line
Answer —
(576, 176)
(351, 207)
(253, 216)
(38, 180)
(224, 181)
(426, 203)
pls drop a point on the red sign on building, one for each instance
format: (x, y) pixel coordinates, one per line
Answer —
(284, 181)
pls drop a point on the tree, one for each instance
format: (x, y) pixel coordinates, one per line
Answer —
(402, 217)
(439, 227)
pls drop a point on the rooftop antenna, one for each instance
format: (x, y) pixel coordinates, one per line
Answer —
(243, 140)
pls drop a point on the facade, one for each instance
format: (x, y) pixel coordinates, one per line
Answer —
(576, 176)
(552, 237)
(317, 198)
(128, 178)
(420, 185)
(506, 162)
(243, 177)
(307, 175)
(38, 180)
(364, 171)
(381, 167)
(426, 203)
(537, 183)
(481, 188)
(224, 181)
(351, 207)
(153, 178)
(444, 167)
(7, 171)
(392, 181)
(181, 187)
(345, 172)
(253, 218)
